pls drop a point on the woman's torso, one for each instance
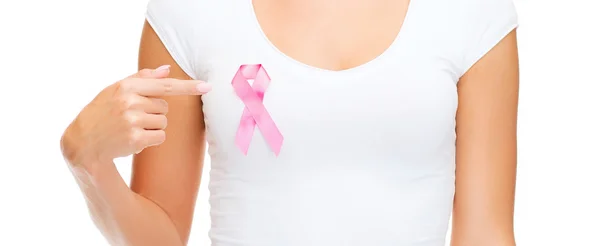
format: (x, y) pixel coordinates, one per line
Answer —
(368, 152)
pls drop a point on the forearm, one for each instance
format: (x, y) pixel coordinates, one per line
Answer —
(124, 217)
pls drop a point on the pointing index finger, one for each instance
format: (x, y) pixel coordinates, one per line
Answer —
(170, 87)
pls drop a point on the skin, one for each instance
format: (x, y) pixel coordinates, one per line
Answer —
(159, 206)
(486, 149)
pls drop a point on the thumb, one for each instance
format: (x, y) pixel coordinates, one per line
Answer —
(160, 72)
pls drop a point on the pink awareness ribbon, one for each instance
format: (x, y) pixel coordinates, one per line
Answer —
(255, 113)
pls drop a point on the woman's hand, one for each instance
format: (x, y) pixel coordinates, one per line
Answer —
(125, 117)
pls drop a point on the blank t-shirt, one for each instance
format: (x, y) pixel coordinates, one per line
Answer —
(368, 156)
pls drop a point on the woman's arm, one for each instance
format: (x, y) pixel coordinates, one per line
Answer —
(486, 149)
(169, 174)
(158, 208)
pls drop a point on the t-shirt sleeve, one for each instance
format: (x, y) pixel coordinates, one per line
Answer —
(167, 18)
(487, 23)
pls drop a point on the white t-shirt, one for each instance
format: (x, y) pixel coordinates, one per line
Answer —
(368, 156)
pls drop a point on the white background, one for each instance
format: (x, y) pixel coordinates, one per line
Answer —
(56, 55)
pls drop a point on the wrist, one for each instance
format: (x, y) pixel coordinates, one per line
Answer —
(76, 150)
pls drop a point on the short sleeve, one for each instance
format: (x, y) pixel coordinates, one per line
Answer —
(487, 23)
(168, 19)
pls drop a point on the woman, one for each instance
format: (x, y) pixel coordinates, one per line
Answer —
(380, 118)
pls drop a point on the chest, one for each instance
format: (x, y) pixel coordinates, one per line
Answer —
(401, 102)
(331, 34)
(388, 109)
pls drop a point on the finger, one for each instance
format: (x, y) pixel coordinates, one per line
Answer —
(160, 72)
(156, 106)
(150, 105)
(154, 137)
(153, 122)
(167, 87)
(148, 138)
(138, 119)
(145, 104)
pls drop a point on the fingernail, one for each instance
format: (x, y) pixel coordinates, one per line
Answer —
(162, 68)
(203, 87)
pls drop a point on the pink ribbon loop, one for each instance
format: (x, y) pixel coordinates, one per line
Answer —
(255, 113)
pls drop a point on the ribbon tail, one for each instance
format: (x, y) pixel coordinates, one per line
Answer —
(274, 138)
(245, 131)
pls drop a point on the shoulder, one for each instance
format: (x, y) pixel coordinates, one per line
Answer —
(461, 31)
(188, 16)
(482, 17)
(486, 12)
(173, 10)
(179, 25)
(483, 24)
(187, 8)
